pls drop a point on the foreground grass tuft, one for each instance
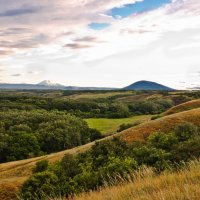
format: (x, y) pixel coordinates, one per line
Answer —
(182, 185)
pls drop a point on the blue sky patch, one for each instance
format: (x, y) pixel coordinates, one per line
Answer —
(98, 26)
(137, 7)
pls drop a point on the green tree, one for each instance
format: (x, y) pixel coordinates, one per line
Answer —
(162, 140)
(186, 131)
(41, 166)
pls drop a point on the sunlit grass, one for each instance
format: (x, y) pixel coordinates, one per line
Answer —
(102, 95)
(111, 125)
(183, 185)
(184, 107)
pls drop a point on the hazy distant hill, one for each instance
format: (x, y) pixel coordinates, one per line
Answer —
(47, 85)
(147, 85)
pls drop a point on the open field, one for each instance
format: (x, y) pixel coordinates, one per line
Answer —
(183, 185)
(13, 174)
(99, 95)
(184, 107)
(107, 126)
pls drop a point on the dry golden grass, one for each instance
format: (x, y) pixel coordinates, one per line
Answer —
(13, 174)
(138, 97)
(10, 187)
(183, 185)
(184, 107)
(90, 95)
(164, 124)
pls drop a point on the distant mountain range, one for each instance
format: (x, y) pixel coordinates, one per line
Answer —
(48, 85)
(147, 85)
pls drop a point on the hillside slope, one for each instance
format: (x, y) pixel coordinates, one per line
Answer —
(13, 174)
(184, 107)
(164, 124)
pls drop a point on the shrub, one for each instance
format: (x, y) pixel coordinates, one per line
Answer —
(186, 131)
(95, 134)
(186, 150)
(162, 140)
(123, 127)
(41, 166)
(69, 165)
(39, 184)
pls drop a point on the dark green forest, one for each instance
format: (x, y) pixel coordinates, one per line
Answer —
(26, 134)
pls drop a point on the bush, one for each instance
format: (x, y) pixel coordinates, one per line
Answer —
(41, 166)
(123, 127)
(186, 150)
(152, 156)
(95, 134)
(40, 184)
(186, 131)
(69, 166)
(162, 140)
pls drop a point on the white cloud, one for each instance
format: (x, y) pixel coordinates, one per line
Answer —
(159, 45)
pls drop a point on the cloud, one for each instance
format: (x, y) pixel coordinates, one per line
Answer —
(6, 52)
(16, 75)
(136, 31)
(14, 31)
(20, 11)
(77, 46)
(28, 25)
(33, 72)
(87, 39)
(56, 32)
(23, 44)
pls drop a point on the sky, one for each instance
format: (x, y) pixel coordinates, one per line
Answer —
(105, 43)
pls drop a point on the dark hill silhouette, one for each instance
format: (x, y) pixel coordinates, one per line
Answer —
(147, 85)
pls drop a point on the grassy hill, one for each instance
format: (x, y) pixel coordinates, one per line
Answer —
(184, 107)
(164, 124)
(13, 174)
(168, 186)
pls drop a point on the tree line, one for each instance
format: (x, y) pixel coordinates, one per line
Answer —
(99, 108)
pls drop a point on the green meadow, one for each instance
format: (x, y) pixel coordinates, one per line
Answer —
(106, 126)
